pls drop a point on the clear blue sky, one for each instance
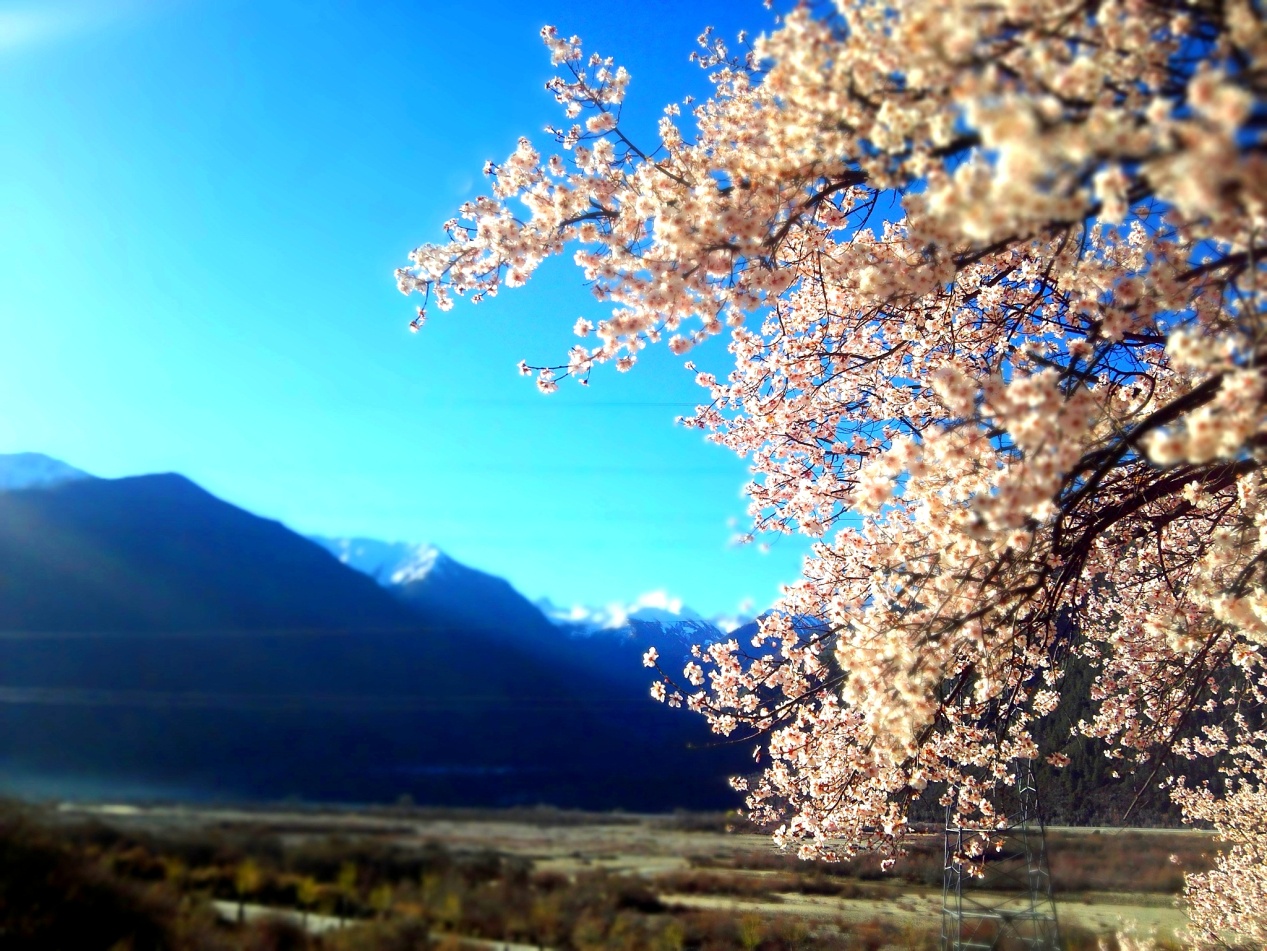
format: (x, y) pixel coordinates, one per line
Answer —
(201, 206)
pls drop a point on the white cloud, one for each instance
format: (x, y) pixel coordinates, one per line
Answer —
(658, 600)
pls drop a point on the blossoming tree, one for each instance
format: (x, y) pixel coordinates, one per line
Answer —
(993, 283)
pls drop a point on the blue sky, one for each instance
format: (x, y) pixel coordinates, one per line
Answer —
(201, 206)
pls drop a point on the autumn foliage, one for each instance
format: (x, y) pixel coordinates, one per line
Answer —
(992, 276)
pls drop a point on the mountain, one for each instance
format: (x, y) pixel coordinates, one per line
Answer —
(602, 654)
(653, 608)
(29, 470)
(158, 553)
(613, 635)
(157, 640)
(387, 563)
(437, 586)
(601, 645)
(425, 576)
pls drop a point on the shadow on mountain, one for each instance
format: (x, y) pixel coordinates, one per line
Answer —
(152, 635)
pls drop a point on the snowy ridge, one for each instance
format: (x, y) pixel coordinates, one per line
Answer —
(34, 470)
(649, 615)
(653, 608)
(388, 563)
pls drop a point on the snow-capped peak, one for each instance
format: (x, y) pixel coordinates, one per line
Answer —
(399, 563)
(386, 562)
(34, 470)
(654, 607)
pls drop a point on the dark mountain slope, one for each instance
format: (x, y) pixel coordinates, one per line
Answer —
(475, 600)
(158, 553)
(29, 470)
(152, 635)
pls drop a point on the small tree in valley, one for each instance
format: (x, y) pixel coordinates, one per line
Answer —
(247, 879)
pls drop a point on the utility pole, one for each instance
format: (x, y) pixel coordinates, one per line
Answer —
(1000, 899)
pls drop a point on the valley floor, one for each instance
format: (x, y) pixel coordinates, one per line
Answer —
(683, 866)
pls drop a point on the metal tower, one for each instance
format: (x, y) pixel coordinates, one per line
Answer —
(1001, 899)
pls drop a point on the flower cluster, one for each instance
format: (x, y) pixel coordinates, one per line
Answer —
(1230, 898)
(993, 279)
